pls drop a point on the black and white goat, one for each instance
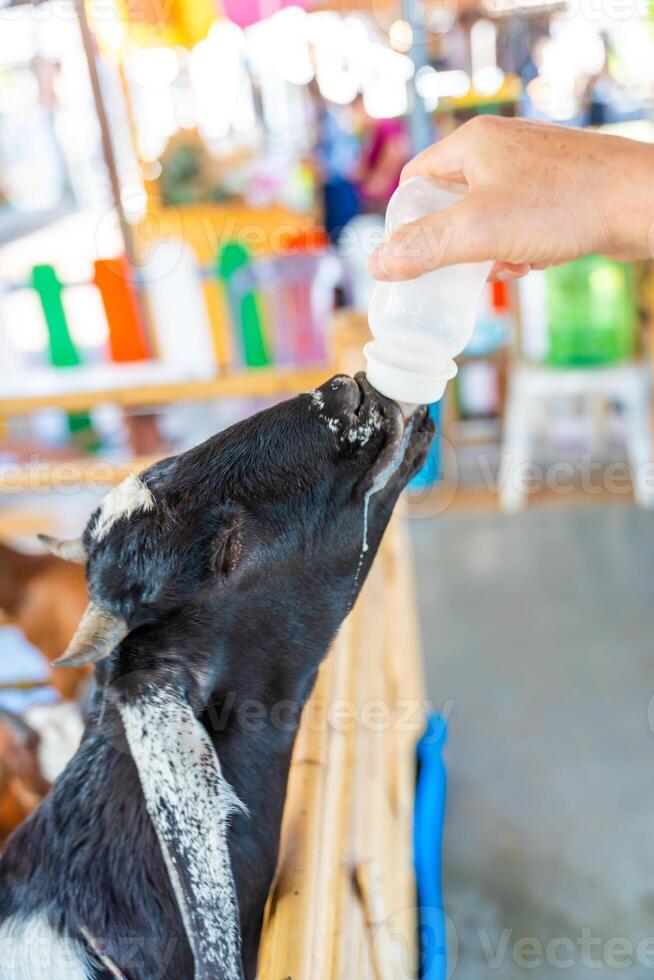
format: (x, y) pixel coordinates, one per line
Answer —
(218, 579)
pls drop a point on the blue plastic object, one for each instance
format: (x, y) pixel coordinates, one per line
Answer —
(428, 826)
(430, 473)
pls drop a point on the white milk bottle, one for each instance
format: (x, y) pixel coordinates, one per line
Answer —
(420, 324)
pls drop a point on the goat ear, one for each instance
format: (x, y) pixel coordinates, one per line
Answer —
(98, 633)
(227, 552)
(229, 543)
(70, 550)
(190, 804)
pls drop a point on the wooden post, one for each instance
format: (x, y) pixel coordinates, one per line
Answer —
(142, 430)
(108, 153)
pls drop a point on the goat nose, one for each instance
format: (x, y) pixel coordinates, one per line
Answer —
(342, 394)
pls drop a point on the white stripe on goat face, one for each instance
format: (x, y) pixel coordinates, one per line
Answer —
(124, 500)
(190, 804)
(31, 950)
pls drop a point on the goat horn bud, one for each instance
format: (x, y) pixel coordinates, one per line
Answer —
(98, 633)
(70, 549)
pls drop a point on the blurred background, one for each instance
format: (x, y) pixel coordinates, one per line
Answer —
(188, 193)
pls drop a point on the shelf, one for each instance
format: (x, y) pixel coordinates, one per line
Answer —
(510, 92)
(252, 383)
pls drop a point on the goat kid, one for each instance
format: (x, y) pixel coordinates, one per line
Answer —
(217, 581)
(45, 597)
(22, 782)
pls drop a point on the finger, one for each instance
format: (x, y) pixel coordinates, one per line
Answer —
(506, 271)
(465, 153)
(456, 234)
(443, 159)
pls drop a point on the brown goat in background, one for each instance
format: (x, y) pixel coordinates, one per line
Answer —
(45, 597)
(22, 783)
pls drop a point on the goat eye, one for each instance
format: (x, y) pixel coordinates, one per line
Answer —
(226, 554)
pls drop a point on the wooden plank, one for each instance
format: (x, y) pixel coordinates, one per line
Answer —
(343, 904)
(261, 383)
(407, 680)
(334, 813)
(373, 820)
(287, 941)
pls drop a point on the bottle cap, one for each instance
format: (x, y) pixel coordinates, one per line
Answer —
(404, 384)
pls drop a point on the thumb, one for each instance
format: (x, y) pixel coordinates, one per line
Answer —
(459, 233)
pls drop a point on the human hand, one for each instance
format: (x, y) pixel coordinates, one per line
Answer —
(537, 195)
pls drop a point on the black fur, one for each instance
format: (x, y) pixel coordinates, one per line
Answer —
(234, 585)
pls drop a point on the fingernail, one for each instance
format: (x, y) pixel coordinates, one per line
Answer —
(377, 262)
(504, 275)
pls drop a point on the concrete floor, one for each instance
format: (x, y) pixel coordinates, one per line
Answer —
(538, 633)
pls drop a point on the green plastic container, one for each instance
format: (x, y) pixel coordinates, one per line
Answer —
(591, 312)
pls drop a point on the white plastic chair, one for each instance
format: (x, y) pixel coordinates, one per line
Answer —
(533, 388)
